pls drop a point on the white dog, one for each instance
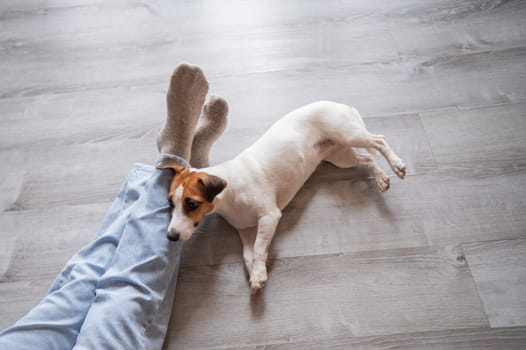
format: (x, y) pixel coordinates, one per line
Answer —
(264, 178)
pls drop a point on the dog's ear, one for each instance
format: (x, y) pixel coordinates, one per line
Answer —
(213, 185)
(168, 163)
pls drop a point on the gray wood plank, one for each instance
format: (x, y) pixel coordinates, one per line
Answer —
(42, 240)
(456, 27)
(11, 185)
(8, 244)
(322, 297)
(81, 118)
(478, 142)
(513, 338)
(499, 271)
(407, 85)
(75, 174)
(403, 85)
(469, 210)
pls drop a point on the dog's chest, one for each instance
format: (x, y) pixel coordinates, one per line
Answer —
(239, 214)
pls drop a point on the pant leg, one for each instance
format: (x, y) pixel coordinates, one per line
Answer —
(56, 321)
(133, 299)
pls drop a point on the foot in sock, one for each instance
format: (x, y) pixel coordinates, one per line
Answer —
(184, 101)
(210, 126)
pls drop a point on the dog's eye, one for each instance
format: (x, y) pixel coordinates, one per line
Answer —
(171, 203)
(191, 204)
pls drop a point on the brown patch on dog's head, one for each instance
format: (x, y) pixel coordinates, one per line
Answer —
(191, 195)
(199, 192)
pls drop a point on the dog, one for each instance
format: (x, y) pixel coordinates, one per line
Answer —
(251, 190)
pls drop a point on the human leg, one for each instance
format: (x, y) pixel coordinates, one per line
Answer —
(125, 310)
(56, 321)
(210, 126)
(184, 101)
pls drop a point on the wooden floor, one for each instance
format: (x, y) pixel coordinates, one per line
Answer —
(437, 262)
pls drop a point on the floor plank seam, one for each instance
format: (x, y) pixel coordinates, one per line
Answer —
(359, 255)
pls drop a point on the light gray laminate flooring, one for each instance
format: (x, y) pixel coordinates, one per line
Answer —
(437, 262)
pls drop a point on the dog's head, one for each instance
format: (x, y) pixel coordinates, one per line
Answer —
(192, 195)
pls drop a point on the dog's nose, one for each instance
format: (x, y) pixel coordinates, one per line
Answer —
(173, 236)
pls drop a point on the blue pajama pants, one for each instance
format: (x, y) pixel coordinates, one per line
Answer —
(117, 292)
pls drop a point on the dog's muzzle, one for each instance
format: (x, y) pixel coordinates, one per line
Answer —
(173, 236)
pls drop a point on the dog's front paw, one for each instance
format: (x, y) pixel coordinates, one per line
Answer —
(256, 287)
(258, 277)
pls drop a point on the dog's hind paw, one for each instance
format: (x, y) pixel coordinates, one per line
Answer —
(383, 182)
(399, 169)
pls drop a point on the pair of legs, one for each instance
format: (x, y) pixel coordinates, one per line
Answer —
(117, 292)
(256, 240)
(346, 157)
(190, 128)
(114, 292)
